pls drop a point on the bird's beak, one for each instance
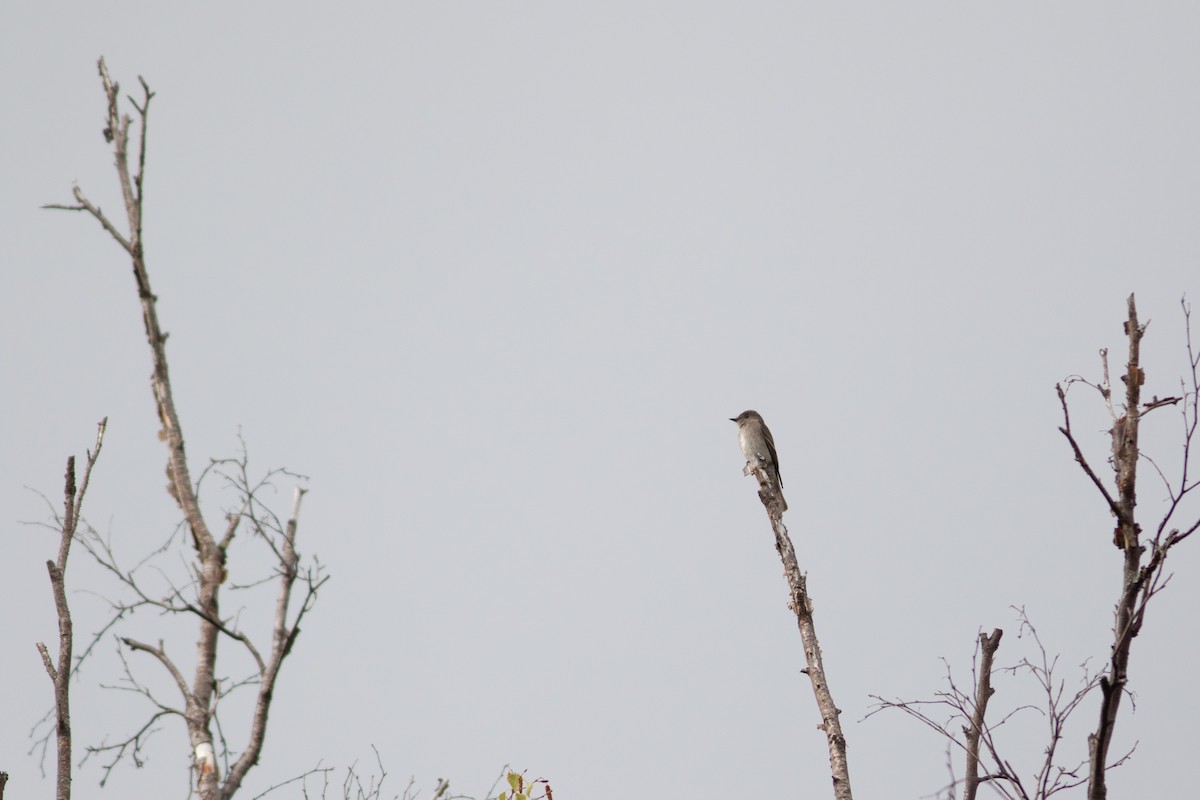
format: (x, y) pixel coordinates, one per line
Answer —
(733, 419)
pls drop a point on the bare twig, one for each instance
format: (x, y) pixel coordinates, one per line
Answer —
(131, 745)
(1052, 777)
(317, 770)
(1066, 431)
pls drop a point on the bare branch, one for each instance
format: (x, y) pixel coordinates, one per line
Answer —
(132, 746)
(281, 644)
(1079, 457)
(1052, 777)
(1190, 416)
(1125, 460)
(983, 692)
(801, 605)
(86, 205)
(161, 655)
(60, 675)
(1139, 582)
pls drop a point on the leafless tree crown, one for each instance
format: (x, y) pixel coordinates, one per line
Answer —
(1143, 560)
(220, 767)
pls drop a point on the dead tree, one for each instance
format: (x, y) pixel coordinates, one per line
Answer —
(1143, 563)
(197, 597)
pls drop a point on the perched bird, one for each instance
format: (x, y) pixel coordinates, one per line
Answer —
(758, 446)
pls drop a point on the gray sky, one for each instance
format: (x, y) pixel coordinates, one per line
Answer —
(495, 276)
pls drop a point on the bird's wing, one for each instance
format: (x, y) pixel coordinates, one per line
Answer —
(774, 456)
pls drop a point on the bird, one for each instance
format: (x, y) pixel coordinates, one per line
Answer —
(758, 446)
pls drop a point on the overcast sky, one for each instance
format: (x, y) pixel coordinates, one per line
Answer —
(495, 276)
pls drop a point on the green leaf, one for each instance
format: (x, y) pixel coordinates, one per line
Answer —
(514, 780)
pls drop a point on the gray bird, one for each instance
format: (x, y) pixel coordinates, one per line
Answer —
(758, 446)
